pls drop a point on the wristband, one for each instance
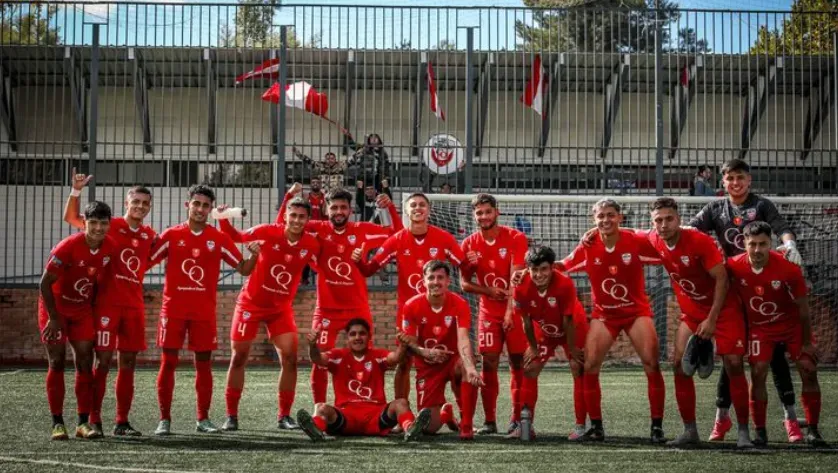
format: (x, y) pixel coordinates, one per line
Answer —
(75, 192)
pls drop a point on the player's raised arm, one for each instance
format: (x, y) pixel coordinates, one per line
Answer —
(394, 358)
(72, 209)
(384, 201)
(575, 261)
(314, 354)
(387, 252)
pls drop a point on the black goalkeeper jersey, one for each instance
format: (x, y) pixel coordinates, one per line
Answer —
(727, 221)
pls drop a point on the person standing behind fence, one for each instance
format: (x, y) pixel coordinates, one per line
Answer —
(370, 162)
(365, 198)
(701, 184)
(330, 171)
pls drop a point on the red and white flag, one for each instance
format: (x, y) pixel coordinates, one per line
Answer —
(268, 68)
(432, 94)
(687, 75)
(300, 95)
(534, 92)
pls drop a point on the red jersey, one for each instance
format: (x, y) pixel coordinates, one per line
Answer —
(274, 281)
(411, 254)
(192, 269)
(495, 261)
(436, 328)
(358, 380)
(125, 287)
(79, 269)
(617, 280)
(689, 264)
(548, 309)
(769, 295)
(318, 203)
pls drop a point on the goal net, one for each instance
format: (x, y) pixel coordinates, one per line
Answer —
(559, 221)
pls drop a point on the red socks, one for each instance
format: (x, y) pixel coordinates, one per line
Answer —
(593, 395)
(203, 387)
(489, 394)
(320, 422)
(515, 390)
(468, 394)
(232, 396)
(579, 407)
(739, 396)
(124, 394)
(286, 400)
(529, 394)
(84, 392)
(166, 384)
(685, 397)
(100, 386)
(812, 407)
(319, 383)
(758, 411)
(55, 391)
(406, 419)
(656, 389)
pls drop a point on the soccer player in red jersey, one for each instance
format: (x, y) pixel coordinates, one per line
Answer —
(411, 248)
(266, 298)
(614, 263)
(493, 253)
(317, 199)
(341, 288)
(119, 309)
(194, 251)
(776, 302)
(435, 326)
(697, 268)
(552, 316)
(361, 406)
(76, 266)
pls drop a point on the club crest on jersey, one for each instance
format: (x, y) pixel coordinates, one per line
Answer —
(210, 245)
(448, 320)
(303, 253)
(685, 260)
(737, 221)
(437, 330)
(135, 243)
(551, 301)
(626, 258)
(368, 366)
(502, 252)
(325, 323)
(433, 252)
(487, 323)
(775, 285)
(106, 260)
(105, 321)
(759, 290)
(246, 315)
(351, 239)
(196, 252)
(612, 270)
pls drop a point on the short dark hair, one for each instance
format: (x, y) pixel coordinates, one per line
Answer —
(201, 189)
(539, 255)
(328, 153)
(339, 194)
(97, 210)
(357, 321)
(300, 202)
(419, 194)
(608, 202)
(756, 228)
(139, 190)
(436, 265)
(736, 164)
(702, 168)
(663, 203)
(481, 199)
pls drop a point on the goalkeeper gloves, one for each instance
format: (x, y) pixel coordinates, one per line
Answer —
(789, 249)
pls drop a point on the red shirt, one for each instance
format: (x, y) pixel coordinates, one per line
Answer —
(436, 328)
(617, 280)
(769, 296)
(125, 287)
(495, 260)
(274, 281)
(79, 269)
(358, 380)
(192, 269)
(689, 264)
(317, 201)
(412, 253)
(549, 309)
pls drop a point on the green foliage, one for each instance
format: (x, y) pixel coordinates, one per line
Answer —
(28, 24)
(807, 30)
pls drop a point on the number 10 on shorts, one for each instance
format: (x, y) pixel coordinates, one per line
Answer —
(103, 339)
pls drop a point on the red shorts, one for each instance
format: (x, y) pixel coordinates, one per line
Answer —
(332, 323)
(362, 419)
(547, 345)
(730, 330)
(622, 324)
(491, 337)
(762, 343)
(431, 381)
(171, 333)
(246, 323)
(74, 327)
(120, 328)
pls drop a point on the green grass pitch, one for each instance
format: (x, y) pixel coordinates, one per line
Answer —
(260, 447)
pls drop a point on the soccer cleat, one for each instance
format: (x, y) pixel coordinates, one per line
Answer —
(447, 416)
(595, 434)
(97, 426)
(720, 429)
(231, 424)
(125, 430)
(164, 427)
(306, 423)
(761, 438)
(59, 432)
(286, 423)
(414, 431)
(206, 426)
(813, 437)
(488, 428)
(577, 434)
(793, 431)
(690, 359)
(516, 434)
(656, 435)
(513, 424)
(687, 437)
(87, 431)
(706, 358)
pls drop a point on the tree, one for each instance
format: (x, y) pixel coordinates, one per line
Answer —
(600, 26)
(31, 24)
(807, 30)
(446, 45)
(253, 28)
(688, 42)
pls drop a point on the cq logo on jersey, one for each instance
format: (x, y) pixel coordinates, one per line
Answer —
(492, 280)
(193, 271)
(364, 392)
(281, 276)
(687, 286)
(83, 287)
(341, 268)
(131, 261)
(416, 283)
(765, 309)
(433, 344)
(734, 237)
(615, 290)
(552, 331)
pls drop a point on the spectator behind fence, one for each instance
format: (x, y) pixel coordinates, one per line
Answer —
(370, 162)
(701, 184)
(367, 209)
(330, 171)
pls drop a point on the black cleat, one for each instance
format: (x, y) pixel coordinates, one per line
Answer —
(488, 428)
(286, 423)
(691, 357)
(309, 427)
(813, 437)
(595, 434)
(761, 438)
(656, 435)
(513, 424)
(125, 430)
(706, 358)
(231, 424)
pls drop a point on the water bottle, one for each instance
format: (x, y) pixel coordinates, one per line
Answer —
(526, 424)
(232, 212)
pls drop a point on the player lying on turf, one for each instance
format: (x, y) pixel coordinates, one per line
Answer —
(552, 316)
(267, 298)
(361, 407)
(435, 326)
(776, 301)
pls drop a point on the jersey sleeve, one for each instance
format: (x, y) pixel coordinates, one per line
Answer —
(772, 216)
(410, 326)
(60, 258)
(520, 245)
(463, 314)
(453, 250)
(703, 220)
(230, 252)
(796, 281)
(374, 235)
(710, 253)
(568, 300)
(645, 250)
(159, 248)
(519, 304)
(387, 251)
(264, 231)
(333, 359)
(575, 261)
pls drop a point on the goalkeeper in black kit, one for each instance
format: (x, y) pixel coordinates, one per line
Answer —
(726, 218)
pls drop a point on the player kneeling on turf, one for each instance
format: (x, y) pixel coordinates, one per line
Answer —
(776, 301)
(361, 407)
(433, 322)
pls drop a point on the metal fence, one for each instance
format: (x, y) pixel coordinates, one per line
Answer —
(630, 101)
